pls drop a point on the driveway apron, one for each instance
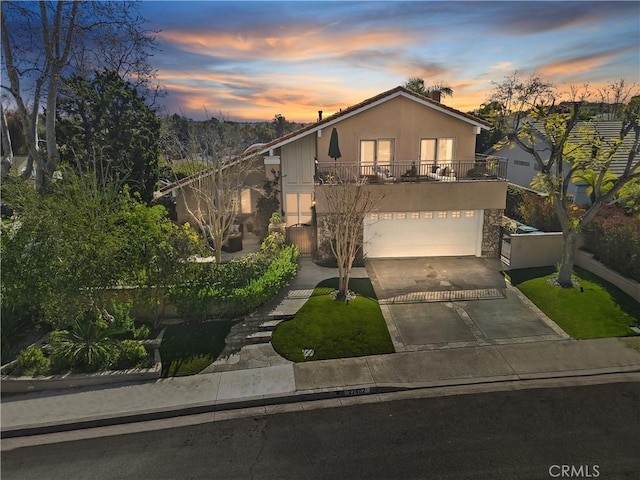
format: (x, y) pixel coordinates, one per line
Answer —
(448, 302)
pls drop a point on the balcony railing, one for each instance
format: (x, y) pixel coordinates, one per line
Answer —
(481, 168)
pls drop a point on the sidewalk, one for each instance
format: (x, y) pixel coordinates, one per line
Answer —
(286, 382)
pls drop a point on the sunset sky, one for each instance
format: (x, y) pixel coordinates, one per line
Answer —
(253, 60)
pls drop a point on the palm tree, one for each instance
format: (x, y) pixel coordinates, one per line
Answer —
(417, 85)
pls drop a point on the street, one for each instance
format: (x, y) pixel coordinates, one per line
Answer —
(588, 431)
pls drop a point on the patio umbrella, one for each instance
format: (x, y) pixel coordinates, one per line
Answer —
(334, 149)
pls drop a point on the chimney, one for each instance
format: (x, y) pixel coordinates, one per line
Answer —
(435, 95)
(319, 115)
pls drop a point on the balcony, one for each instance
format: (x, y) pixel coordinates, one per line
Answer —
(481, 168)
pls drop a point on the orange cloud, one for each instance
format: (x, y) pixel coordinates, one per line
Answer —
(580, 64)
(301, 44)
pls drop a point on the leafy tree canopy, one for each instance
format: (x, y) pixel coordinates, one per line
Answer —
(105, 126)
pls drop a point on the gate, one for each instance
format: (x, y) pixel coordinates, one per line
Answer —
(505, 246)
(304, 237)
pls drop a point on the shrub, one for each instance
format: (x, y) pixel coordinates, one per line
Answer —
(31, 361)
(130, 354)
(514, 200)
(258, 277)
(538, 211)
(615, 241)
(87, 346)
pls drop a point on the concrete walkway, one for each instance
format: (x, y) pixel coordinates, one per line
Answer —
(266, 379)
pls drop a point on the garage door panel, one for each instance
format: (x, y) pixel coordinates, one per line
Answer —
(410, 237)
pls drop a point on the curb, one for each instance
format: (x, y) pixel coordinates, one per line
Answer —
(300, 397)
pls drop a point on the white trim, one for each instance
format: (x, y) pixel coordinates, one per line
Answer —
(272, 160)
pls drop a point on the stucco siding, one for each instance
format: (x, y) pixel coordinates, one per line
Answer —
(404, 120)
(433, 196)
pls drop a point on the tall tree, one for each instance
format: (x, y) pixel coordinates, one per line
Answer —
(43, 42)
(343, 207)
(417, 85)
(560, 148)
(104, 125)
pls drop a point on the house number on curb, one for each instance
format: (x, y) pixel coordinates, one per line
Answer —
(353, 392)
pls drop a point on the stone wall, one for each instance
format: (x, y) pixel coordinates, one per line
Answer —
(491, 233)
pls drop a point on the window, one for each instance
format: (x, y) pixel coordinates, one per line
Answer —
(245, 200)
(401, 216)
(455, 214)
(469, 214)
(427, 215)
(387, 216)
(298, 208)
(415, 215)
(373, 216)
(376, 152)
(442, 214)
(436, 150)
(521, 163)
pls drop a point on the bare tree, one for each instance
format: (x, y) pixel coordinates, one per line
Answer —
(42, 42)
(344, 207)
(212, 195)
(561, 148)
(614, 96)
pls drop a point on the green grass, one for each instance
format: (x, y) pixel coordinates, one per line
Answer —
(334, 329)
(189, 348)
(602, 310)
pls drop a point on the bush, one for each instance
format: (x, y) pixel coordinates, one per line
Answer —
(615, 240)
(240, 286)
(538, 211)
(32, 361)
(130, 354)
(514, 201)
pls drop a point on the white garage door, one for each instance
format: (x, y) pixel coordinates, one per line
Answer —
(418, 234)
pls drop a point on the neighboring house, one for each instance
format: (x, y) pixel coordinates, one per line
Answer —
(439, 197)
(522, 167)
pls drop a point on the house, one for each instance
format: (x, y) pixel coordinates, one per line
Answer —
(522, 167)
(440, 198)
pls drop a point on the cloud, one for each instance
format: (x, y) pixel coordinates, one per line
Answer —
(300, 44)
(582, 63)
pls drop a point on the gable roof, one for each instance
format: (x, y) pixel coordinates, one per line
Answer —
(331, 120)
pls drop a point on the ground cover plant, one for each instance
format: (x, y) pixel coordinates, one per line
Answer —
(335, 329)
(592, 309)
(189, 348)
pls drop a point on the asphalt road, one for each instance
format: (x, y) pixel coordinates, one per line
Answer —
(519, 434)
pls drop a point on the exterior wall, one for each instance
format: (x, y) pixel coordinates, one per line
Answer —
(630, 287)
(254, 180)
(432, 196)
(521, 169)
(404, 120)
(535, 250)
(491, 233)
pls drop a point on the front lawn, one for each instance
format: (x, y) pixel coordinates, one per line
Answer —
(333, 329)
(190, 348)
(601, 310)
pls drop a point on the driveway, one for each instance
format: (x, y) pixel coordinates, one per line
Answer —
(448, 302)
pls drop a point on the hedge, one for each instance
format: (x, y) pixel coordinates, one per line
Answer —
(237, 288)
(614, 239)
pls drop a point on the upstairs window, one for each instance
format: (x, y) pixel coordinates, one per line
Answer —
(436, 150)
(376, 152)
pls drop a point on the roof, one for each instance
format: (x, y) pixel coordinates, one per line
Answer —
(609, 130)
(333, 119)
